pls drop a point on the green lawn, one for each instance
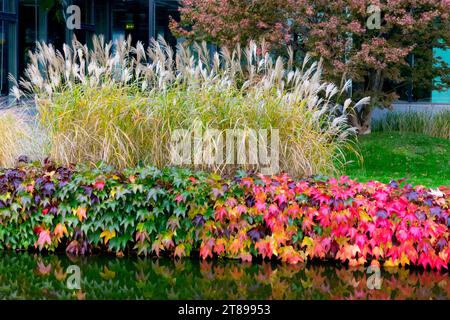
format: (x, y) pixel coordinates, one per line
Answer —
(392, 155)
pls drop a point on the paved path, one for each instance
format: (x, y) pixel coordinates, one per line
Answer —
(8, 103)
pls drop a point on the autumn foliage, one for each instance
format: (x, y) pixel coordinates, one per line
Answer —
(371, 42)
(182, 213)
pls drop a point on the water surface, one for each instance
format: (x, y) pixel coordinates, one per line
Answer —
(27, 276)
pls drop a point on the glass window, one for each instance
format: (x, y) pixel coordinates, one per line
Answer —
(164, 10)
(84, 35)
(3, 58)
(56, 25)
(417, 77)
(8, 6)
(442, 96)
(28, 30)
(86, 8)
(7, 54)
(130, 18)
(7, 43)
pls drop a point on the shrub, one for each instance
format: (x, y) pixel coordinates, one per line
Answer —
(182, 213)
(19, 137)
(122, 106)
(432, 124)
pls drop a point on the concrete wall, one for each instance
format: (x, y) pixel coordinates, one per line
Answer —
(411, 107)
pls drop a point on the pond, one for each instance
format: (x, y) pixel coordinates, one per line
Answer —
(27, 276)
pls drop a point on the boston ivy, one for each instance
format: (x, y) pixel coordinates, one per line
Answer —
(181, 213)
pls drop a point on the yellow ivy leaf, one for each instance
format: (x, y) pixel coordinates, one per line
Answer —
(389, 263)
(107, 235)
(50, 174)
(307, 241)
(107, 274)
(342, 240)
(364, 216)
(404, 260)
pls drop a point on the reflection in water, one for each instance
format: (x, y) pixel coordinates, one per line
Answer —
(24, 276)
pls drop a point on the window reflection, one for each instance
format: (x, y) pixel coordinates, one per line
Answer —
(7, 43)
(130, 18)
(164, 10)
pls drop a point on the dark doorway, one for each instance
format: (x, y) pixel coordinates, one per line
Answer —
(28, 31)
(130, 19)
(56, 27)
(163, 11)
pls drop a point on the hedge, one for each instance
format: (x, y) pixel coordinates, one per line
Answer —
(181, 213)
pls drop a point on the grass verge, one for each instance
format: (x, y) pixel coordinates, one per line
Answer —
(419, 158)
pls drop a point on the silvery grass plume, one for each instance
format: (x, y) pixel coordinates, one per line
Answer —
(121, 103)
(19, 136)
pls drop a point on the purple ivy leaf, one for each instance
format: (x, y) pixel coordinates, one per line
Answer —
(54, 210)
(255, 234)
(198, 220)
(428, 202)
(216, 192)
(420, 215)
(412, 196)
(249, 201)
(441, 243)
(435, 211)
(49, 188)
(393, 184)
(382, 213)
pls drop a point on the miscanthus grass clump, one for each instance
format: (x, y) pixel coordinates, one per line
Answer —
(121, 104)
(19, 135)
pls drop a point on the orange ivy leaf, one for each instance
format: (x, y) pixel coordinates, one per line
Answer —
(60, 231)
(180, 251)
(290, 255)
(235, 246)
(219, 248)
(81, 213)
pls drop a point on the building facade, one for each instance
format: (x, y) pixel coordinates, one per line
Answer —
(23, 22)
(441, 96)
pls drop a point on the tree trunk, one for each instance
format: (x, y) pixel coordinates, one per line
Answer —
(361, 119)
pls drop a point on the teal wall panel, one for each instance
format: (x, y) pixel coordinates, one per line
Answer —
(443, 96)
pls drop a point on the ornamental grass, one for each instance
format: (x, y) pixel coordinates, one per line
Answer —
(121, 104)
